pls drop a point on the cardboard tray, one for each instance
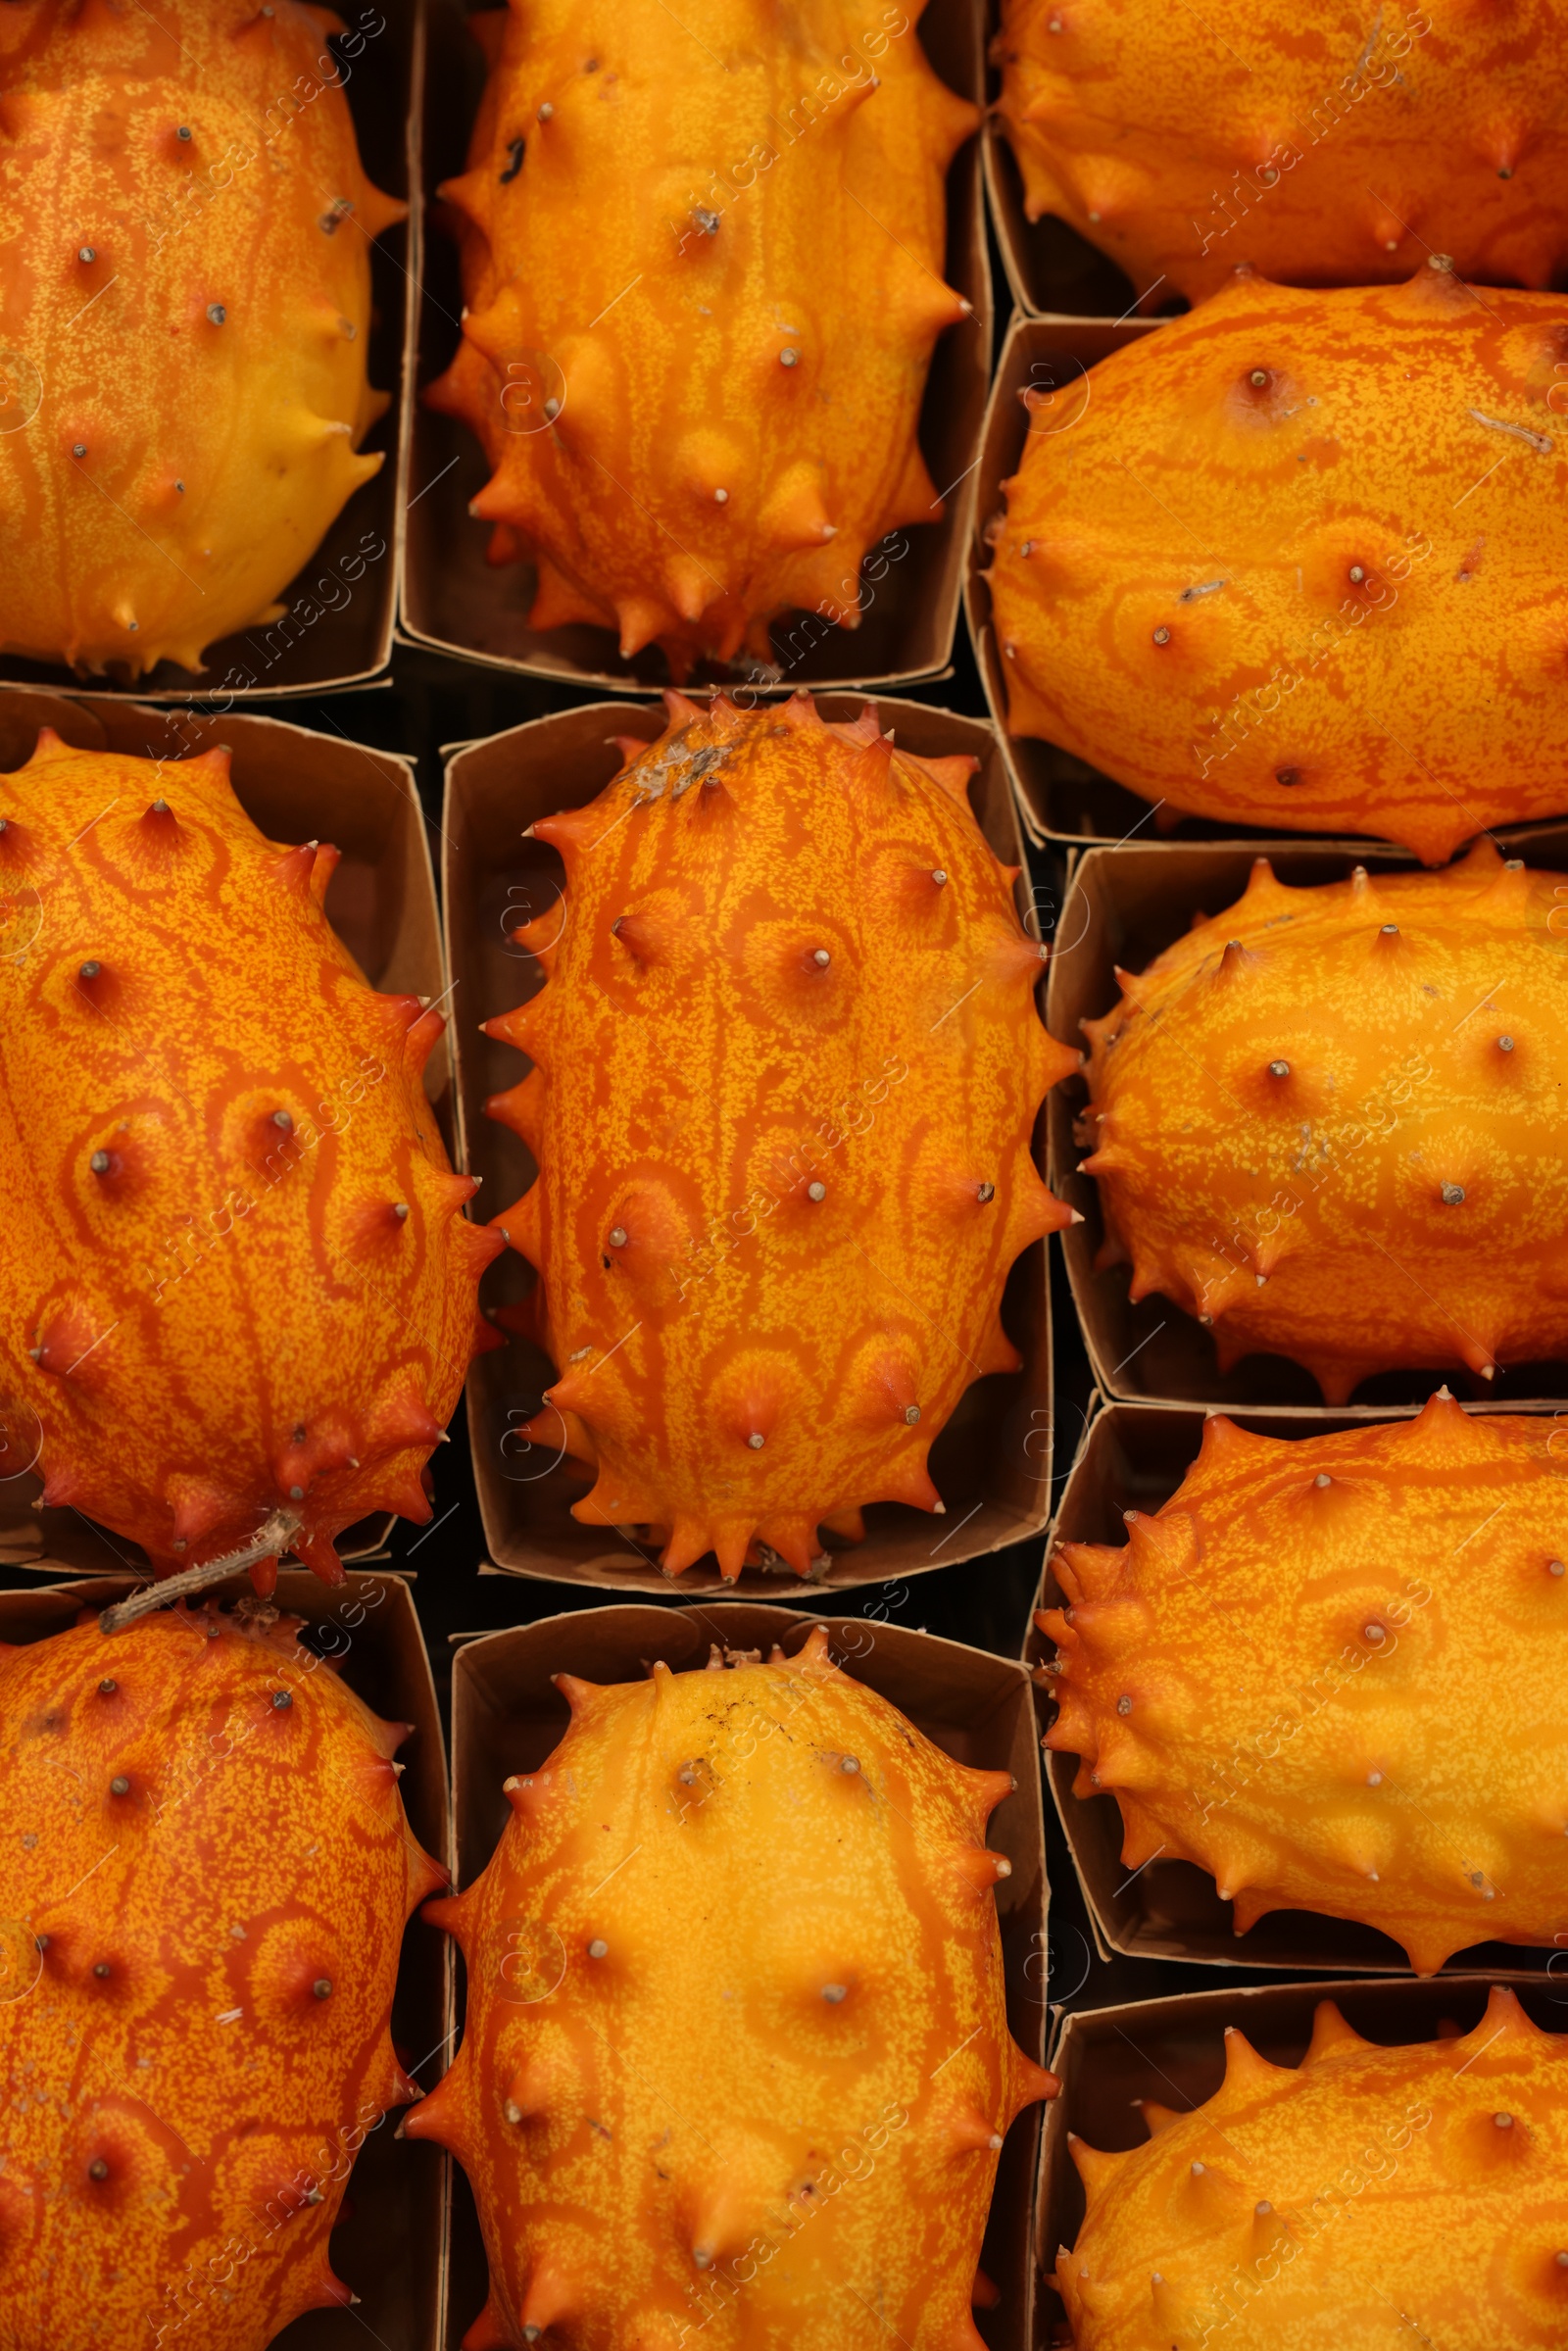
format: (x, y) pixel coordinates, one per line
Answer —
(991, 1461)
(1173, 2050)
(296, 786)
(1052, 270)
(451, 600)
(1133, 1457)
(506, 1717)
(1124, 906)
(342, 604)
(391, 2249)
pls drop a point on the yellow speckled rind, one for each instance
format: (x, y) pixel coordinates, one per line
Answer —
(1322, 146)
(1418, 2193)
(1263, 1677)
(212, 1308)
(702, 270)
(1329, 1120)
(182, 410)
(736, 2054)
(1244, 599)
(789, 1053)
(201, 1826)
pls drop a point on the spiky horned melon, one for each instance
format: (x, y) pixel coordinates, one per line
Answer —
(1259, 1676)
(236, 1282)
(769, 1266)
(745, 2066)
(205, 1871)
(703, 279)
(183, 320)
(1297, 560)
(1369, 2196)
(1311, 147)
(1328, 1122)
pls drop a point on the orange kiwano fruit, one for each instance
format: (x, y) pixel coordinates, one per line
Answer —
(236, 1282)
(1320, 147)
(797, 1884)
(1298, 559)
(1329, 1122)
(704, 280)
(205, 1871)
(788, 1066)
(1259, 1677)
(1367, 2194)
(182, 357)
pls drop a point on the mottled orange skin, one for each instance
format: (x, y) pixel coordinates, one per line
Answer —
(686, 209)
(1321, 146)
(216, 453)
(1370, 2195)
(178, 2089)
(746, 1363)
(223, 1318)
(1254, 601)
(1390, 1196)
(736, 2053)
(1261, 1678)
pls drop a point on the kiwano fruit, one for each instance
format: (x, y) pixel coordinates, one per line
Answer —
(1259, 1677)
(1416, 2193)
(1324, 152)
(748, 2064)
(785, 1076)
(236, 1283)
(1228, 582)
(206, 1873)
(182, 349)
(703, 279)
(1328, 1122)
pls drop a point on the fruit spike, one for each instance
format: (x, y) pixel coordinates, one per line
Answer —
(205, 153)
(1258, 1677)
(757, 1860)
(1347, 1151)
(1369, 2196)
(208, 2047)
(227, 1322)
(1183, 163)
(766, 1300)
(1363, 654)
(698, 388)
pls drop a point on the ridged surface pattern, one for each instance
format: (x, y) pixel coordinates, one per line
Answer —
(788, 1065)
(1297, 560)
(183, 316)
(703, 269)
(205, 1871)
(1261, 1676)
(736, 2057)
(1370, 2195)
(237, 1280)
(1328, 1122)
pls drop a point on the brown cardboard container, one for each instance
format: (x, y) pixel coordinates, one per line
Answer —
(1173, 2050)
(452, 601)
(343, 602)
(506, 1717)
(1060, 797)
(392, 2248)
(1133, 1457)
(1124, 906)
(991, 1461)
(296, 785)
(1052, 270)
